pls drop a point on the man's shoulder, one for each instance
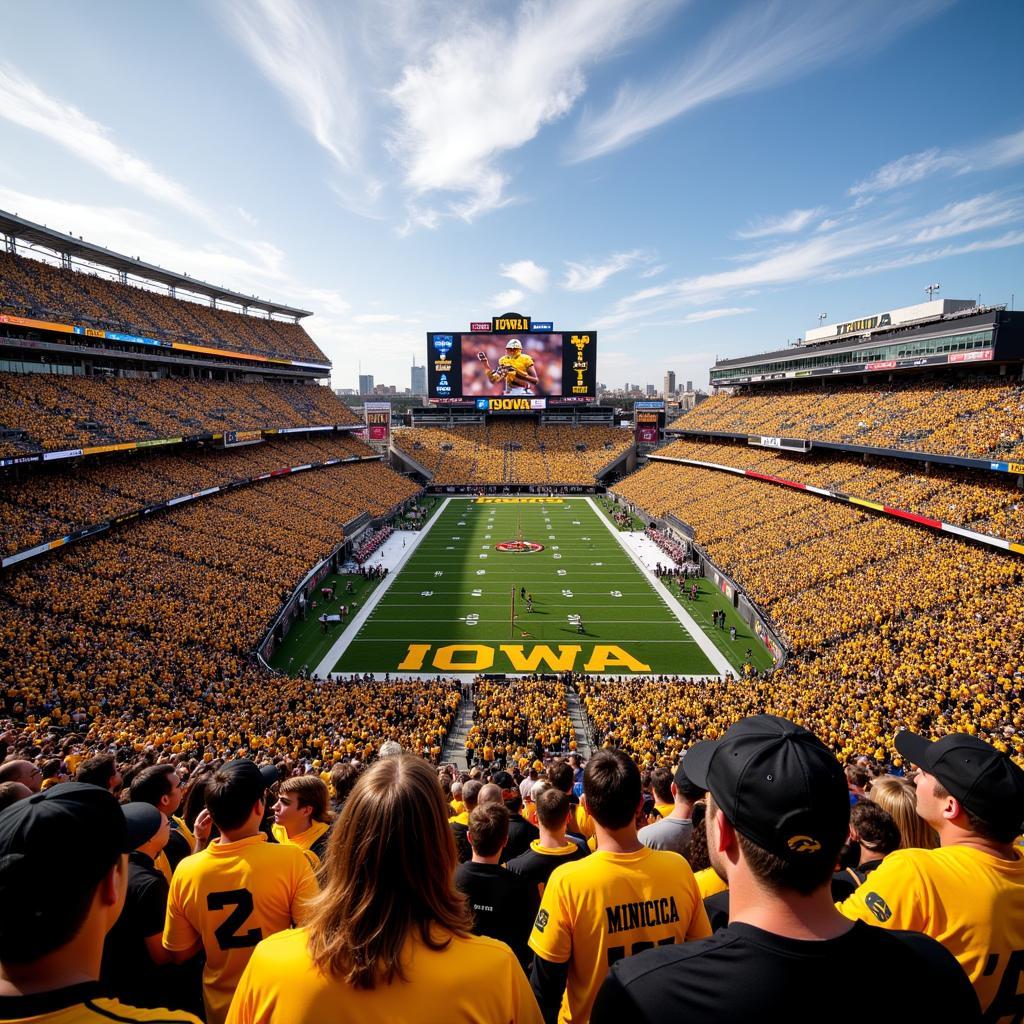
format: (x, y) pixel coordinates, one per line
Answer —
(684, 956)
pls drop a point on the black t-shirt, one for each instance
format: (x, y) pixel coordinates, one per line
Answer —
(504, 905)
(846, 882)
(536, 867)
(743, 973)
(520, 834)
(128, 973)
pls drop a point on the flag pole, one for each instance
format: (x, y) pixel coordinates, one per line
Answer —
(512, 619)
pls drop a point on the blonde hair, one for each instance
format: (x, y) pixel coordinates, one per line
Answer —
(388, 870)
(311, 791)
(899, 797)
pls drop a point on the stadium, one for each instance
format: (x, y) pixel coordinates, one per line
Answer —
(209, 560)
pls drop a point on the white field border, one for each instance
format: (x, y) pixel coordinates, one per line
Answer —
(710, 651)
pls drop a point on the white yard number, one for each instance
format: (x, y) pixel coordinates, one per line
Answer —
(472, 619)
(439, 572)
(478, 592)
(481, 572)
(616, 593)
(566, 593)
(575, 522)
(597, 563)
(554, 547)
(456, 538)
(460, 524)
(483, 556)
(584, 538)
(426, 593)
(556, 555)
(561, 572)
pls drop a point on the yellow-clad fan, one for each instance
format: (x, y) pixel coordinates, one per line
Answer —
(389, 939)
(617, 902)
(237, 891)
(302, 817)
(63, 879)
(969, 893)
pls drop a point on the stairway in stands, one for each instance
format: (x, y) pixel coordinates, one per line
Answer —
(579, 723)
(454, 751)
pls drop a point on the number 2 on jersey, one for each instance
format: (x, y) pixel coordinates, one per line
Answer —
(227, 933)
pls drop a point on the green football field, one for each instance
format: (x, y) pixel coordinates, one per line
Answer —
(456, 604)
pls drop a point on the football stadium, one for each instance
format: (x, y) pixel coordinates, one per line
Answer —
(515, 698)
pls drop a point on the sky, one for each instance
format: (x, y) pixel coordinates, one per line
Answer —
(693, 179)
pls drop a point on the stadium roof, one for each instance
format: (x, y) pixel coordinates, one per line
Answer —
(38, 234)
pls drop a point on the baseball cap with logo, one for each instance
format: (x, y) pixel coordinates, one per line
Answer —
(778, 785)
(61, 842)
(983, 779)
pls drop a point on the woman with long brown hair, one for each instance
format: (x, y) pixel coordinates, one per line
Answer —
(389, 938)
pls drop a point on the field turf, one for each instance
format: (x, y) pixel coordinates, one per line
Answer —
(456, 591)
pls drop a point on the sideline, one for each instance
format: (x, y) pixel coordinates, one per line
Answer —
(338, 648)
(710, 651)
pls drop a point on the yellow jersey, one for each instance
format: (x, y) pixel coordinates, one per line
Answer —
(608, 906)
(581, 823)
(520, 364)
(970, 901)
(473, 980)
(665, 810)
(710, 882)
(305, 841)
(232, 895)
(82, 1004)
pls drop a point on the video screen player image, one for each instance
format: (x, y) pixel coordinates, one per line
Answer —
(528, 365)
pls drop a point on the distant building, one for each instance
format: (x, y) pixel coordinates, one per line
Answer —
(366, 383)
(418, 380)
(650, 390)
(670, 384)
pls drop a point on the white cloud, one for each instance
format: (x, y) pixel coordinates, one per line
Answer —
(788, 224)
(508, 299)
(654, 271)
(586, 277)
(493, 85)
(1005, 151)
(527, 274)
(765, 44)
(24, 103)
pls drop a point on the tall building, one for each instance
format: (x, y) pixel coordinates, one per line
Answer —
(670, 383)
(650, 390)
(366, 383)
(418, 380)
(689, 385)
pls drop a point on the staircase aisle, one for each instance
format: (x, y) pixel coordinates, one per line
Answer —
(454, 751)
(579, 724)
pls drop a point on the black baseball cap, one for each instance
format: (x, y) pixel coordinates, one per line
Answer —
(983, 779)
(144, 820)
(686, 786)
(271, 776)
(778, 785)
(60, 842)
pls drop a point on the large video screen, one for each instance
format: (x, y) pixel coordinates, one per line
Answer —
(468, 367)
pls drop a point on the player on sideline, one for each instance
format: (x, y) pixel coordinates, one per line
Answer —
(612, 904)
(969, 893)
(778, 814)
(390, 938)
(515, 369)
(63, 879)
(238, 890)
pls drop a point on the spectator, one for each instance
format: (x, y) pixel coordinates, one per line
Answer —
(160, 786)
(389, 748)
(968, 893)
(25, 772)
(521, 833)
(389, 939)
(600, 909)
(661, 786)
(301, 816)
(226, 898)
(875, 836)
(460, 822)
(503, 904)
(561, 775)
(343, 778)
(778, 814)
(553, 847)
(58, 909)
(101, 771)
(12, 792)
(674, 830)
(898, 797)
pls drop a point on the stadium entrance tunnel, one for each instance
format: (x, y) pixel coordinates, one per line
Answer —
(480, 657)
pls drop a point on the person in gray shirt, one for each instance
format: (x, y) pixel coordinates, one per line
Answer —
(673, 833)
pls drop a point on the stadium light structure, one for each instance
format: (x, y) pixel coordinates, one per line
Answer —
(931, 289)
(822, 317)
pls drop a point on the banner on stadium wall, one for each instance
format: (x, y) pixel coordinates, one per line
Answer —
(378, 422)
(511, 404)
(648, 422)
(238, 437)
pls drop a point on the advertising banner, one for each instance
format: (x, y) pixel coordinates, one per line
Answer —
(378, 422)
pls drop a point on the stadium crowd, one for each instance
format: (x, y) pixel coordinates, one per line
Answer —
(56, 412)
(979, 417)
(41, 291)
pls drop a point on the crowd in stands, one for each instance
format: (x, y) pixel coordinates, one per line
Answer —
(56, 500)
(752, 871)
(41, 291)
(672, 547)
(985, 501)
(519, 721)
(55, 412)
(513, 451)
(890, 626)
(980, 418)
(374, 541)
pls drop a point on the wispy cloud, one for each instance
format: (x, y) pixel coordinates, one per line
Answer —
(508, 299)
(1005, 151)
(586, 277)
(24, 103)
(492, 87)
(787, 224)
(765, 44)
(526, 273)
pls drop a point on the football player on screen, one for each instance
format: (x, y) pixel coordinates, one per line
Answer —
(515, 369)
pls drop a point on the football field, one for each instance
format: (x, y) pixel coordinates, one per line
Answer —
(460, 604)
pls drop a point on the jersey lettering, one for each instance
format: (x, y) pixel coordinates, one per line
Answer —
(227, 933)
(616, 953)
(1008, 1002)
(642, 914)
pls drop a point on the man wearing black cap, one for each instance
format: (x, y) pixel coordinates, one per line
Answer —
(778, 814)
(521, 833)
(969, 893)
(240, 889)
(673, 831)
(56, 909)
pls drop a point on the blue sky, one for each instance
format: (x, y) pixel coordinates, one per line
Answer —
(690, 178)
